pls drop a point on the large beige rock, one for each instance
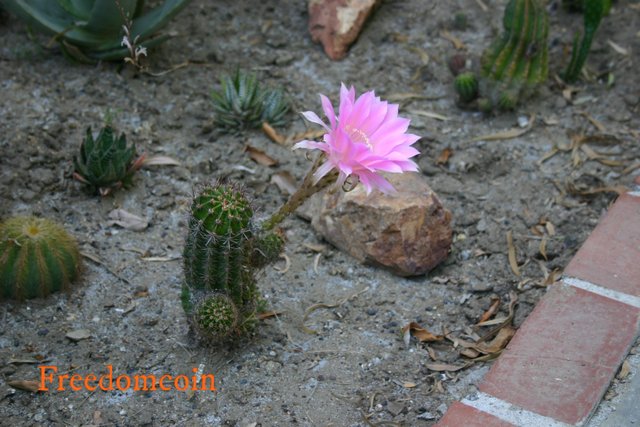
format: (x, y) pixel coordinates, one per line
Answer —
(337, 23)
(409, 232)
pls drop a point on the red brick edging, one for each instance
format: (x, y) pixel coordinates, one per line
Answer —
(561, 361)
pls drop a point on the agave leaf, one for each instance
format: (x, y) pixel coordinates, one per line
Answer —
(81, 9)
(51, 18)
(106, 18)
(156, 18)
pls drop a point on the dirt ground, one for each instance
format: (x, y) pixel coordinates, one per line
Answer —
(356, 370)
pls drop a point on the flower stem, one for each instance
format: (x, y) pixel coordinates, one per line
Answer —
(306, 190)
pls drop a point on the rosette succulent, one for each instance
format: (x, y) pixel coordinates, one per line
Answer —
(242, 103)
(106, 162)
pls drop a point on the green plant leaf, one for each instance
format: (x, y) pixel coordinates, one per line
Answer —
(156, 18)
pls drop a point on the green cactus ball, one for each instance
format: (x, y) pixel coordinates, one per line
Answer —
(222, 210)
(216, 316)
(466, 85)
(37, 257)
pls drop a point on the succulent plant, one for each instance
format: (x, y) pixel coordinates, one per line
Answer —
(37, 257)
(92, 30)
(517, 62)
(466, 85)
(106, 163)
(594, 11)
(242, 103)
(222, 253)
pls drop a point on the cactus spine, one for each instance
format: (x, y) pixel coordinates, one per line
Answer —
(222, 252)
(517, 62)
(37, 257)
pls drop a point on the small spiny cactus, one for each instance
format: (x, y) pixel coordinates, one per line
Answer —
(466, 85)
(37, 257)
(517, 62)
(221, 256)
(242, 103)
(106, 163)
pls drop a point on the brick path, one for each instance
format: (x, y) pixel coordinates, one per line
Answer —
(561, 361)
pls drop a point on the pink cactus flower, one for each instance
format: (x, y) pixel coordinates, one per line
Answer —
(367, 137)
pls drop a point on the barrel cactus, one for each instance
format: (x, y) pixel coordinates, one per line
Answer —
(222, 252)
(466, 85)
(517, 62)
(37, 257)
(106, 162)
(242, 103)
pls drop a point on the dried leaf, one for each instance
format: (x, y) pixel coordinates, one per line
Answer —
(442, 367)
(512, 254)
(470, 353)
(272, 134)
(160, 161)
(408, 384)
(457, 44)
(618, 48)
(498, 343)
(420, 333)
(127, 220)
(444, 156)
(309, 134)
(432, 354)
(424, 56)
(543, 248)
(551, 229)
(260, 156)
(25, 385)
(79, 334)
(23, 361)
(429, 114)
(315, 247)
(483, 6)
(493, 309)
(507, 134)
(625, 370)
(631, 168)
(594, 122)
(269, 314)
(285, 182)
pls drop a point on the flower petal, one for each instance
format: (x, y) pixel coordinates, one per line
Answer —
(313, 118)
(328, 110)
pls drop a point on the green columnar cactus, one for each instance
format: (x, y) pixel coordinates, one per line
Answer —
(37, 257)
(106, 163)
(594, 11)
(242, 103)
(219, 294)
(517, 62)
(466, 85)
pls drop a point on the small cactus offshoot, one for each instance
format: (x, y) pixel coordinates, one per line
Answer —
(516, 63)
(222, 252)
(242, 103)
(594, 11)
(466, 85)
(37, 257)
(106, 163)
